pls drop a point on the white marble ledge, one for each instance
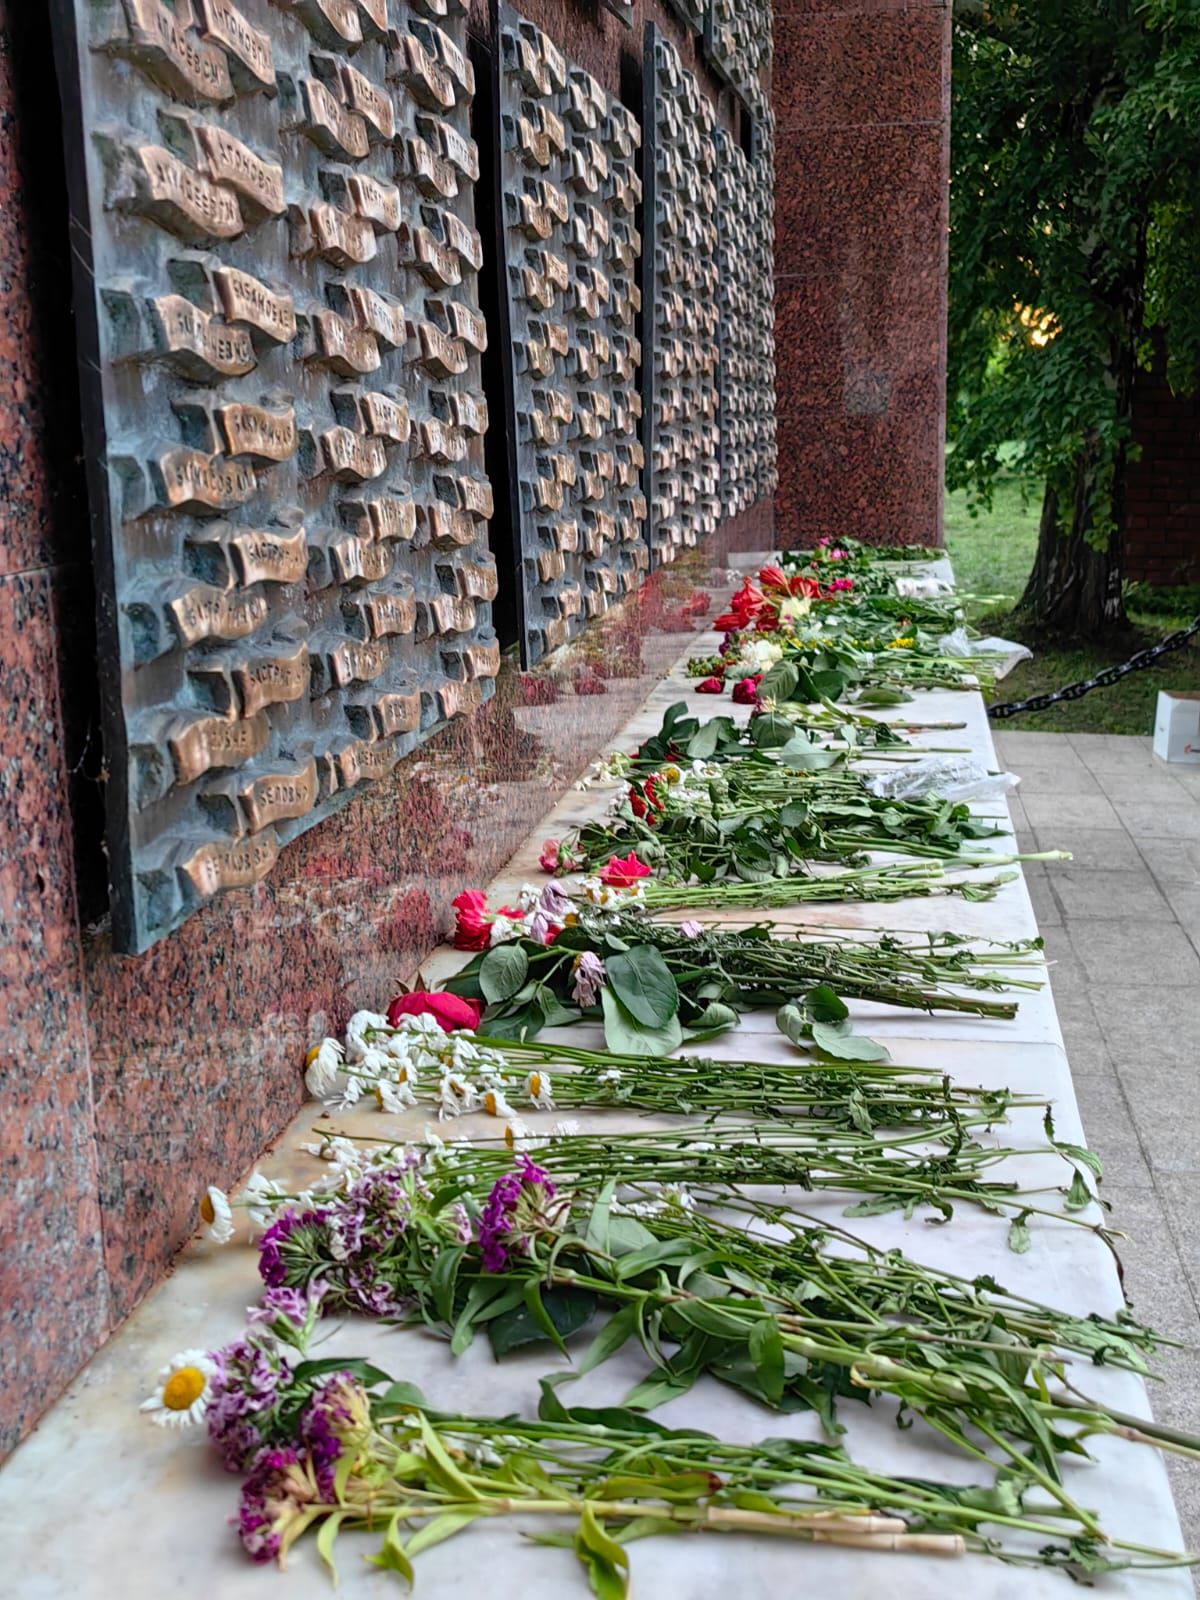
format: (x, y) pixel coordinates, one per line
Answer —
(97, 1492)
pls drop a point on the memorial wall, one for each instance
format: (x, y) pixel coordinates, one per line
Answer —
(381, 379)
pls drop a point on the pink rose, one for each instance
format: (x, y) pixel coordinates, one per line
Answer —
(621, 873)
(711, 686)
(548, 860)
(745, 693)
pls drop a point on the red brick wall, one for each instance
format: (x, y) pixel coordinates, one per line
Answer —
(1163, 539)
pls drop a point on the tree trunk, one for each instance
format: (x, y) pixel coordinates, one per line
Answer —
(1074, 589)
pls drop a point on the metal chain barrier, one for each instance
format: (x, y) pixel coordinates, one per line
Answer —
(1074, 691)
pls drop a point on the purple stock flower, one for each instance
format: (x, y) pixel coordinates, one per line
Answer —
(498, 1222)
(243, 1392)
(286, 1249)
(278, 1489)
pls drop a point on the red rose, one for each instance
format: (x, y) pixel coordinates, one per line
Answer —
(621, 873)
(449, 1011)
(472, 924)
(745, 693)
(711, 686)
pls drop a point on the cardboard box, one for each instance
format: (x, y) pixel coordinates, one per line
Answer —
(1177, 727)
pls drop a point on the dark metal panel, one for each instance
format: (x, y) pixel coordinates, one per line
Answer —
(738, 40)
(569, 191)
(681, 316)
(273, 215)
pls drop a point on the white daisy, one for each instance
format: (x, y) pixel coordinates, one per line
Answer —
(455, 1096)
(321, 1067)
(393, 1097)
(182, 1391)
(493, 1102)
(357, 1044)
(540, 1090)
(256, 1197)
(216, 1214)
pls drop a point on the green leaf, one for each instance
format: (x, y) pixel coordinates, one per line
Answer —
(642, 981)
(766, 1351)
(824, 1004)
(326, 1535)
(401, 1397)
(835, 1039)
(714, 1019)
(439, 1529)
(770, 731)
(624, 1035)
(1019, 1237)
(550, 1314)
(779, 682)
(791, 1020)
(606, 1563)
(617, 1331)
(392, 1557)
(503, 972)
(358, 1368)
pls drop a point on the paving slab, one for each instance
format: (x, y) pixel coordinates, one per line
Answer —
(1084, 894)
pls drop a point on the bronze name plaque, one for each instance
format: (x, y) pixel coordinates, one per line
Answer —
(276, 268)
(569, 190)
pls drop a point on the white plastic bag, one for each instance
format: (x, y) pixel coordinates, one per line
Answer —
(921, 588)
(948, 777)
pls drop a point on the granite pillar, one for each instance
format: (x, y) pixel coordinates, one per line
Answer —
(862, 100)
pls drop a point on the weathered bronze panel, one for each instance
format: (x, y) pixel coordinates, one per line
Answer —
(274, 229)
(569, 192)
(680, 425)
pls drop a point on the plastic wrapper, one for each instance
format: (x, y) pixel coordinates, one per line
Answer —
(947, 777)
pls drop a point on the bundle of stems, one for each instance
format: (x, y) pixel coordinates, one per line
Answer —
(755, 818)
(754, 969)
(784, 1318)
(931, 1168)
(596, 1481)
(853, 1094)
(877, 883)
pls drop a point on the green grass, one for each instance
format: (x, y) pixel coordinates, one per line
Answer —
(992, 555)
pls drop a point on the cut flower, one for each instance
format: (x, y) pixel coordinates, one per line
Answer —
(449, 1011)
(183, 1390)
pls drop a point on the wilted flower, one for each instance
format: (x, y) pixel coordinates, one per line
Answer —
(216, 1214)
(589, 979)
(321, 1067)
(514, 1211)
(711, 686)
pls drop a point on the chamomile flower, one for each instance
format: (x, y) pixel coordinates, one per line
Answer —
(360, 1024)
(182, 1391)
(321, 1067)
(257, 1195)
(394, 1097)
(455, 1096)
(493, 1102)
(540, 1090)
(216, 1214)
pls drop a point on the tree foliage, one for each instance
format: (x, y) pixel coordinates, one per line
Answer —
(1075, 252)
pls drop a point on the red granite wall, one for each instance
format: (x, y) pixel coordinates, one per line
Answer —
(862, 99)
(1163, 539)
(126, 1084)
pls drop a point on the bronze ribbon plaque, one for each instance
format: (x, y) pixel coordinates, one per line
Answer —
(276, 256)
(681, 426)
(569, 193)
